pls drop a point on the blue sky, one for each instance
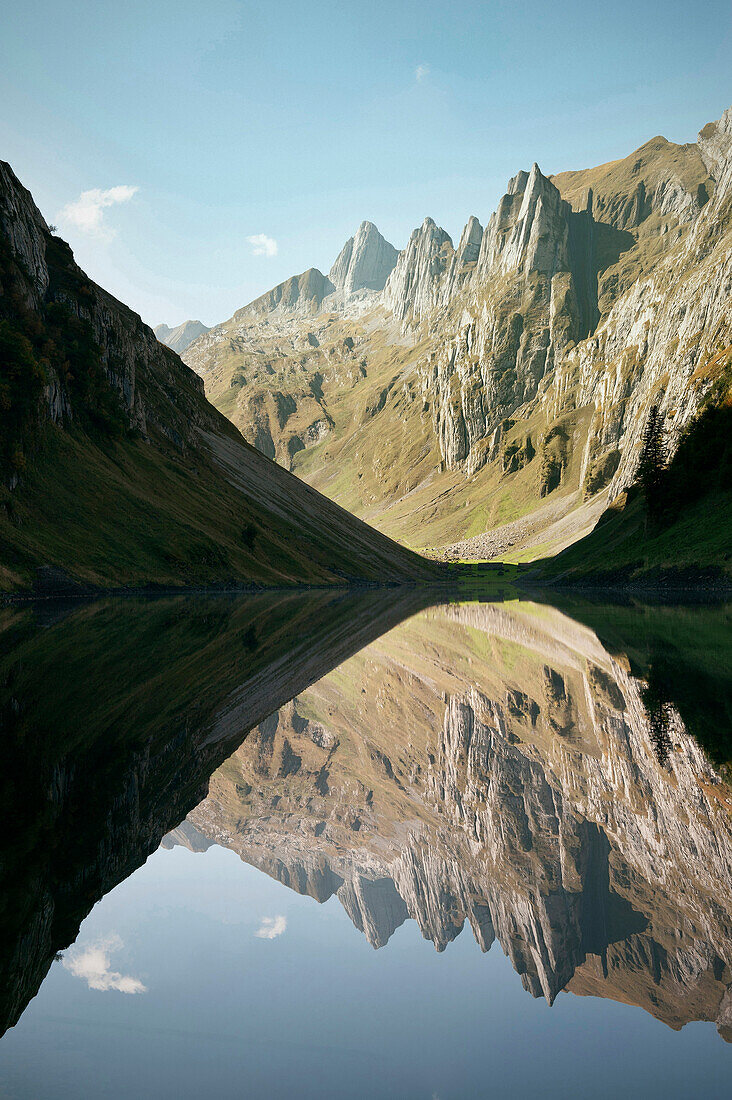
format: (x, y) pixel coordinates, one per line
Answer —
(293, 122)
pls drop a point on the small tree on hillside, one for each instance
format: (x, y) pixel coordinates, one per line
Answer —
(652, 462)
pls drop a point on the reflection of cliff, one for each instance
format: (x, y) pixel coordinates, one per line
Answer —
(495, 765)
(112, 721)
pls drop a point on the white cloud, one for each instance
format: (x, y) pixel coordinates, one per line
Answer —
(271, 928)
(262, 245)
(87, 212)
(421, 72)
(93, 965)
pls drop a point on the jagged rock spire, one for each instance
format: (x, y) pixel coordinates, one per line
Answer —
(365, 261)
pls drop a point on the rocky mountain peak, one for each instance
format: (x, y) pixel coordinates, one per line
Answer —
(180, 337)
(413, 286)
(468, 249)
(528, 231)
(301, 295)
(715, 146)
(517, 185)
(365, 261)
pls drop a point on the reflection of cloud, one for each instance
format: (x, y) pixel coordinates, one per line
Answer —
(271, 928)
(262, 245)
(86, 213)
(421, 72)
(93, 965)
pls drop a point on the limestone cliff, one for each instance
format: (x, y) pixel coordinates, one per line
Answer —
(364, 263)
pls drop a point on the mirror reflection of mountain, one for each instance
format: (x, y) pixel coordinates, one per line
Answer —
(113, 716)
(497, 764)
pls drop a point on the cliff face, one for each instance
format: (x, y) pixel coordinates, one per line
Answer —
(115, 467)
(524, 361)
(496, 766)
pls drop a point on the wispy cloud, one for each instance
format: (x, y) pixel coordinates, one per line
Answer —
(262, 245)
(421, 72)
(271, 928)
(94, 965)
(87, 212)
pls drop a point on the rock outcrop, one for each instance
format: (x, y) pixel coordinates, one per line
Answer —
(413, 288)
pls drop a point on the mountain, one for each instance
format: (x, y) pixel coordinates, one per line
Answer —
(490, 399)
(181, 336)
(116, 470)
(496, 768)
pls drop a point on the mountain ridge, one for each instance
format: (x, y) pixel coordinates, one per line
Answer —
(516, 369)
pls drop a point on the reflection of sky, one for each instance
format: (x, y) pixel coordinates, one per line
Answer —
(316, 1012)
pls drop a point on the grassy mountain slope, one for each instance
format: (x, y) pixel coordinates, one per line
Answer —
(118, 471)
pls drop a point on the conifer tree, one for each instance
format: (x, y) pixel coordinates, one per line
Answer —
(652, 463)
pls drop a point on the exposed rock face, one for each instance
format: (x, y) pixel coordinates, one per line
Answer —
(302, 294)
(715, 146)
(496, 766)
(528, 298)
(365, 262)
(465, 258)
(655, 342)
(181, 336)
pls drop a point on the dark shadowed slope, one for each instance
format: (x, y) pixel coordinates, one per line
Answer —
(115, 469)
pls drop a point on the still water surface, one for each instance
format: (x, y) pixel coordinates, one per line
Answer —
(538, 793)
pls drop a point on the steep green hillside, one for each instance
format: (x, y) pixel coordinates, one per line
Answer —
(684, 534)
(115, 469)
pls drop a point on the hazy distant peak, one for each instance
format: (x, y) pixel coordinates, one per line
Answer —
(180, 337)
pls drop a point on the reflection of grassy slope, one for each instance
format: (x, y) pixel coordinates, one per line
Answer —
(690, 648)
